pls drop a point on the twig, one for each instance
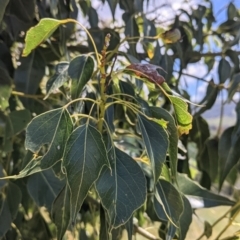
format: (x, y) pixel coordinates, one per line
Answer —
(144, 233)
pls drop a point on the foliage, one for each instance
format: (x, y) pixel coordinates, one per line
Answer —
(94, 131)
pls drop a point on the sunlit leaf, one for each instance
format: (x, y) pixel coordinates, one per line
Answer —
(39, 33)
(84, 157)
(156, 141)
(122, 189)
(184, 118)
(80, 71)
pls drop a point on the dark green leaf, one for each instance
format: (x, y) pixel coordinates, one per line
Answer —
(185, 219)
(170, 200)
(61, 211)
(198, 196)
(161, 113)
(5, 216)
(234, 87)
(93, 17)
(228, 151)
(84, 157)
(224, 70)
(4, 4)
(58, 79)
(2, 182)
(156, 141)
(112, 5)
(232, 11)
(80, 71)
(44, 187)
(209, 158)
(29, 74)
(209, 99)
(14, 197)
(18, 121)
(5, 87)
(171, 232)
(52, 128)
(122, 189)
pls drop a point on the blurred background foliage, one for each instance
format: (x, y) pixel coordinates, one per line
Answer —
(203, 66)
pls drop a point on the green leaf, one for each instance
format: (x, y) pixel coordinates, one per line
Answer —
(4, 4)
(234, 86)
(5, 216)
(232, 11)
(156, 142)
(209, 99)
(185, 219)
(2, 182)
(209, 158)
(5, 86)
(170, 199)
(84, 157)
(184, 118)
(52, 128)
(80, 71)
(224, 70)
(61, 211)
(122, 189)
(198, 196)
(14, 196)
(161, 113)
(44, 187)
(29, 74)
(58, 79)
(112, 5)
(18, 121)
(39, 33)
(228, 151)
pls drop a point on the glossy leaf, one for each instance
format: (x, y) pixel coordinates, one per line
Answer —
(198, 196)
(61, 211)
(39, 33)
(84, 157)
(224, 70)
(156, 142)
(161, 113)
(58, 79)
(52, 128)
(44, 187)
(184, 118)
(122, 189)
(170, 200)
(80, 71)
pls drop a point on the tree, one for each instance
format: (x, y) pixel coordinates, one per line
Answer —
(96, 127)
